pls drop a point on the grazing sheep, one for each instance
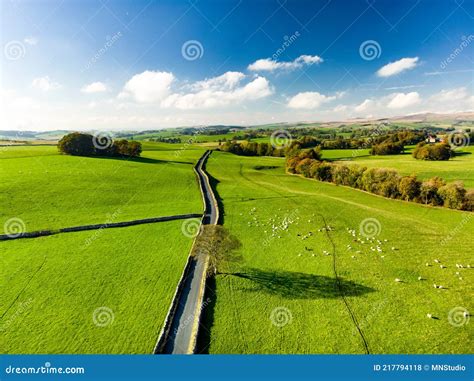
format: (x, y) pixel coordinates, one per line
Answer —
(427, 264)
(465, 314)
(429, 316)
(420, 278)
(398, 280)
(436, 260)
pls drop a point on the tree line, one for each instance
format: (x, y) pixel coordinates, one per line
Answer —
(248, 148)
(83, 144)
(384, 182)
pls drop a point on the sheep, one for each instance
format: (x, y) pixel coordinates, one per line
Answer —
(429, 316)
(436, 260)
(398, 280)
(420, 278)
(441, 266)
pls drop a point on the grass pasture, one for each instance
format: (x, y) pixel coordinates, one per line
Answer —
(52, 287)
(460, 167)
(282, 298)
(47, 190)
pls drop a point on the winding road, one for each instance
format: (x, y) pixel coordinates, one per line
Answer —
(180, 331)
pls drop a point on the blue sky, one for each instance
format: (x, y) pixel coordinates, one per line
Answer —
(105, 64)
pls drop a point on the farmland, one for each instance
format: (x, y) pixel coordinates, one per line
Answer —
(100, 291)
(48, 190)
(282, 298)
(103, 291)
(461, 167)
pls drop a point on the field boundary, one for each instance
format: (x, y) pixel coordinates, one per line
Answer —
(43, 233)
(377, 195)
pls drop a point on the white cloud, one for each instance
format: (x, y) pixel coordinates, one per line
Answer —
(219, 91)
(452, 100)
(397, 67)
(267, 64)
(148, 87)
(94, 87)
(404, 100)
(228, 80)
(309, 100)
(45, 84)
(457, 94)
(30, 40)
(364, 106)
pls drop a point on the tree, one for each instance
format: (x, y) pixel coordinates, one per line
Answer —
(440, 151)
(453, 195)
(82, 144)
(409, 188)
(77, 144)
(429, 191)
(216, 242)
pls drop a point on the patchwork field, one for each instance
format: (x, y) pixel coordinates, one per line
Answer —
(101, 291)
(460, 167)
(47, 190)
(283, 296)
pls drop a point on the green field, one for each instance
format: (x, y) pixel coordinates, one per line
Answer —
(460, 167)
(47, 190)
(53, 287)
(284, 272)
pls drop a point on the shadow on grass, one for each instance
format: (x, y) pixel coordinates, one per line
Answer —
(214, 182)
(144, 160)
(207, 317)
(296, 285)
(461, 153)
